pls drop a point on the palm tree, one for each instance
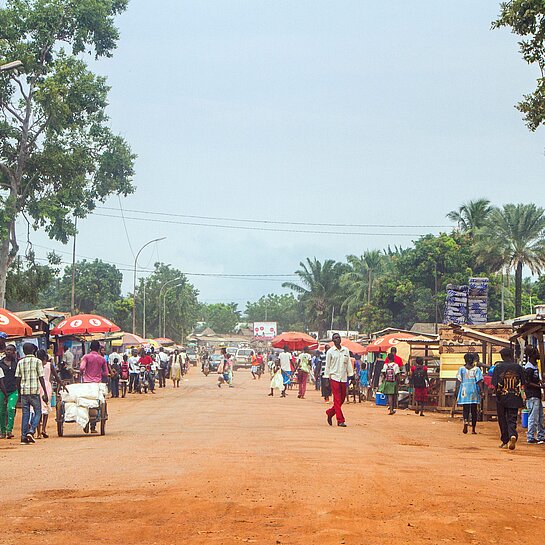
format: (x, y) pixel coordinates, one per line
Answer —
(318, 289)
(514, 237)
(471, 216)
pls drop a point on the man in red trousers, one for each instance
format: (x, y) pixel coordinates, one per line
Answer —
(338, 367)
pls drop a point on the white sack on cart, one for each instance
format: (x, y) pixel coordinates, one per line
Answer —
(88, 403)
(87, 390)
(70, 411)
(82, 417)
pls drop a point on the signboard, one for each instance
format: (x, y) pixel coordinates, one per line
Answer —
(265, 330)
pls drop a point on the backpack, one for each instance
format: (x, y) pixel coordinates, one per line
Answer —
(419, 377)
(390, 375)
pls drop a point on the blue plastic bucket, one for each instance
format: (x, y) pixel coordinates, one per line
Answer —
(524, 418)
(380, 399)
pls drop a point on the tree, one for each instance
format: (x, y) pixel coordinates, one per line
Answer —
(515, 234)
(283, 309)
(97, 288)
(221, 317)
(319, 291)
(58, 156)
(27, 279)
(471, 216)
(526, 18)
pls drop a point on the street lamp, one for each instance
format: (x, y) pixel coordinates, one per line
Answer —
(161, 294)
(165, 307)
(10, 66)
(134, 282)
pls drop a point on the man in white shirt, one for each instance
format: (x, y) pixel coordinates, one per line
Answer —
(163, 367)
(338, 367)
(134, 372)
(285, 366)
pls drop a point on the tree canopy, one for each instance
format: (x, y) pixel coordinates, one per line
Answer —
(58, 156)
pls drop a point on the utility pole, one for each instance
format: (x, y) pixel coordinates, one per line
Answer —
(73, 300)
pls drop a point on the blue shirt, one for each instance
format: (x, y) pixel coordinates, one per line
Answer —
(364, 377)
(469, 392)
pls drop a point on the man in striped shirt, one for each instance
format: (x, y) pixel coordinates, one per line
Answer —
(30, 375)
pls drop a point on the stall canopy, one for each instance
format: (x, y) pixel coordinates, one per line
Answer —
(383, 344)
(354, 347)
(295, 340)
(13, 326)
(85, 324)
(163, 341)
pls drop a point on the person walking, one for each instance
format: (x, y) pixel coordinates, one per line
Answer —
(10, 395)
(390, 378)
(468, 391)
(49, 369)
(533, 389)
(364, 381)
(134, 372)
(338, 368)
(176, 368)
(325, 385)
(124, 374)
(163, 367)
(421, 383)
(285, 365)
(508, 381)
(317, 369)
(115, 370)
(30, 376)
(93, 368)
(303, 370)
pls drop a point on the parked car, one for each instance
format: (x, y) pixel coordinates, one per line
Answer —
(192, 356)
(243, 358)
(215, 360)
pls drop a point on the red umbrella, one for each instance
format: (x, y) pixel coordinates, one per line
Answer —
(294, 340)
(383, 344)
(12, 325)
(84, 324)
(353, 346)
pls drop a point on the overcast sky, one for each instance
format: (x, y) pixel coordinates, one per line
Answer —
(352, 112)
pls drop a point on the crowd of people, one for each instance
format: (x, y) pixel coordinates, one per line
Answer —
(30, 380)
(334, 372)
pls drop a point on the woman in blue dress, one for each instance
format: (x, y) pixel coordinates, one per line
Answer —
(468, 391)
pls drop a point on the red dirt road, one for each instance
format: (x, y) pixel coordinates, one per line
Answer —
(203, 465)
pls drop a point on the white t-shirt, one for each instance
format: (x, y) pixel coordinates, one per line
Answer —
(285, 361)
(133, 365)
(1, 373)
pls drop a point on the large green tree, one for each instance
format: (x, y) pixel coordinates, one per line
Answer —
(514, 238)
(221, 317)
(97, 288)
(58, 156)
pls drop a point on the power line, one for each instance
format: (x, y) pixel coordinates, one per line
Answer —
(268, 229)
(273, 222)
(233, 276)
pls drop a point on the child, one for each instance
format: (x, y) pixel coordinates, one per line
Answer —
(225, 376)
(364, 381)
(124, 375)
(390, 381)
(277, 380)
(421, 382)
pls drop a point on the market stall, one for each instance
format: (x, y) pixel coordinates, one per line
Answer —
(483, 341)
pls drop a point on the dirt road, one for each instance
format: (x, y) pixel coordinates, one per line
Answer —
(224, 466)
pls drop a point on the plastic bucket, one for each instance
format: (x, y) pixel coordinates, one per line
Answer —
(524, 418)
(380, 399)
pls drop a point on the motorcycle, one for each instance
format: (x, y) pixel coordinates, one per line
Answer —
(144, 379)
(206, 368)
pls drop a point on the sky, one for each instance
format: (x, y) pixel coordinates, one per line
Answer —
(381, 114)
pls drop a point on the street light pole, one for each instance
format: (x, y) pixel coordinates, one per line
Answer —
(134, 282)
(161, 294)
